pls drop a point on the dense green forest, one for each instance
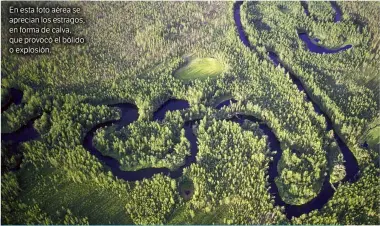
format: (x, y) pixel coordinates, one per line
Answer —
(146, 53)
(146, 144)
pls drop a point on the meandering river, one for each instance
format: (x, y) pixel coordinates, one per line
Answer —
(351, 164)
(130, 114)
(25, 133)
(312, 44)
(314, 47)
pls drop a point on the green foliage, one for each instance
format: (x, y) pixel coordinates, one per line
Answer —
(372, 133)
(321, 11)
(151, 200)
(71, 219)
(337, 169)
(57, 191)
(373, 137)
(295, 176)
(9, 159)
(231, 174)
(9, 192)
(352, 203)
(146, 144)
(334, 81)
(13, 210)
(331, 80)
(43, 125)
(16, 116)
(186, 189)
(134, 49)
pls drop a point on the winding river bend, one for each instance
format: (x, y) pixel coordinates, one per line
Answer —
(312, 44)
(338, 12)
(351, 164)
(15, 96)
(130, 114)
(25, 133)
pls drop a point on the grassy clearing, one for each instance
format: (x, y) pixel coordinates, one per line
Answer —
(373, 137)
(372, 134)
(200, 68)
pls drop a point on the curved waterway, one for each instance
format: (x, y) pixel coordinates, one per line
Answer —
(130, 114)
(314, 47)
(225, 103)
(338, 12)
(15, 96)
(350, 164)
(305, 8)
(25, 133)
(312, 44)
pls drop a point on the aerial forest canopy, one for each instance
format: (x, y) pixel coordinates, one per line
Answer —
(126, 128)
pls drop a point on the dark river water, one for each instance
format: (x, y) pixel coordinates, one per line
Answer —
(305, 8)
(351, 164)
(225, 103)
(312, 44)
(338, 12)
(130, 114)
(25, 133)
(15, 96)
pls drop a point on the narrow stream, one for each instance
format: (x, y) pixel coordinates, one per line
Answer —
(130, 114)
(338, 12)
(25, 133)
(350, 164)
(15, 96)
(225, 103)
(312, 44)
(305, 8)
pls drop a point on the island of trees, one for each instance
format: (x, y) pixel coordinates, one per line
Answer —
(138, 54)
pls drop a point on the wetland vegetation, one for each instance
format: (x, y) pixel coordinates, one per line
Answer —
(150, 93)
